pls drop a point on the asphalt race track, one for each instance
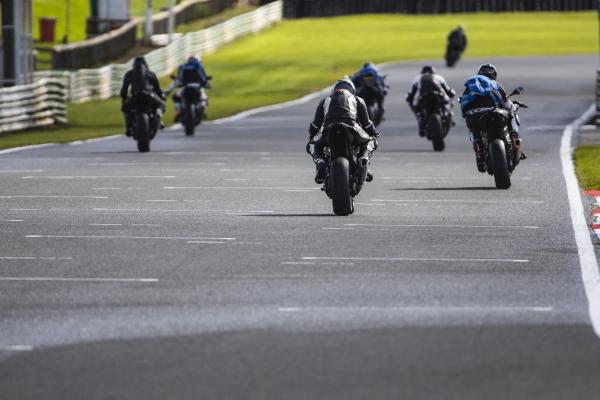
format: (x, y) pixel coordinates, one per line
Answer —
(212, 267)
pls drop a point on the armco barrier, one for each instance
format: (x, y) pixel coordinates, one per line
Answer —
(41, 103)
(102, 83)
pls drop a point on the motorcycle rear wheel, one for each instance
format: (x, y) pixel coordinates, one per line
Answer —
(435, 132)
(342, 201)
(189, 119)
(499, 164)
(142, 133)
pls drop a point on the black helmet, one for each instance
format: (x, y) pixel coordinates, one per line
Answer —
(345, 84)
(139, 61)
(488, 70)
(428, 69)
(368, 64)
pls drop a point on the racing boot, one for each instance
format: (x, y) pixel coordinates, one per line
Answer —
(369, 176)
(321, 166)
(128, 125)
(479, 155)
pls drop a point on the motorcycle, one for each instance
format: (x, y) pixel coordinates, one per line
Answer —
(193, 105)
(146, 119)
(370, 91)
(435, 119)
(348, 156)
(452, 55)
(502, 153)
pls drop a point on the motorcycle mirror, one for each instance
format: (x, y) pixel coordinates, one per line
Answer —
(517, 91)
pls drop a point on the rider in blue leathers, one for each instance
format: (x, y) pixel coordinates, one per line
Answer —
(482, 91)
(191, 72)
(369, 69)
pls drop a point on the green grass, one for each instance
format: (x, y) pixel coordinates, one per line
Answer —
(587, 159)
(300, 56)
(214, 20)
(80, 9)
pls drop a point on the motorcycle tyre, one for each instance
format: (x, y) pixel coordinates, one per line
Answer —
(497, 152)
(142, 133)
(342, 201)
(189, 120)
(435, 132)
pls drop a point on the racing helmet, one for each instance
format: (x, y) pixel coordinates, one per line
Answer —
(428, 69)
(488, 70)
(345, 84)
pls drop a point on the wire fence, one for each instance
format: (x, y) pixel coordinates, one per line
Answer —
(41, 103)
(102, 83)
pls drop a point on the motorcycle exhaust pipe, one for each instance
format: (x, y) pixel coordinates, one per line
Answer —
(363, 163)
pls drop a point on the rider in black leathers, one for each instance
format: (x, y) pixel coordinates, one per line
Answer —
(457, 39)
(341, 106)
(426, 82)
(140, 79)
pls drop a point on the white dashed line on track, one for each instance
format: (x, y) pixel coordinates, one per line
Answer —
(424, 259)
(103, 237)
(239, 188)
(440, 226)
(51, 197)
(458, 201)
(229, 212)
(12, 220)
(59, 279)
(418, 309)
(59, 177)
(18, 347)
(19, 171)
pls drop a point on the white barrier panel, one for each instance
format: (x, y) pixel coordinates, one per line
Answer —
(103, 83)
(41, 103)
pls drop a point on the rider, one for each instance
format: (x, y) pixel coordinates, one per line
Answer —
(140, 79)
(457, 39)
(191, 72)
(426, 82)
(483, 91)
(341, 106)
(368, 69)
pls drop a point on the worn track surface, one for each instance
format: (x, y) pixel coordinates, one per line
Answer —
(212, 267)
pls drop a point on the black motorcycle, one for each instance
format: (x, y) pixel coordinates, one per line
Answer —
(502, 154)
(435, 119)
(452, 55)
(193, 104)
(146, 119)
(370, 92)
(348, 156)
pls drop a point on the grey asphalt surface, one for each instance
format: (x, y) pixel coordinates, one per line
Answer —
(213, 268)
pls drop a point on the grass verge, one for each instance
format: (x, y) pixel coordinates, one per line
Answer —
(300, 56)
(587, 159)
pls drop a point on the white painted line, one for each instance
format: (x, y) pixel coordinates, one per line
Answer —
(25, 209)
(337, 229)
(118, 164)
(107, 188)
(236, 179)
(418, 309)
(102, 177)
(12, 171)
(124, 237)
(162, 201)
(205, 242)
(12, 220)
(299, 190)
(498, 260)
(232, 212)
(18, 347)
(98, 224)
(94, 140)
(446, 226)
(459, 201)
(51, 197)
(58, 279)
(29, 258)
(237, 188)
(30, 147)
(298, 263)
(587, 256)
(545, 128)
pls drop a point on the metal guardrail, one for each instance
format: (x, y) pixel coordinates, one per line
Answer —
(41, 103)
(102, 83)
